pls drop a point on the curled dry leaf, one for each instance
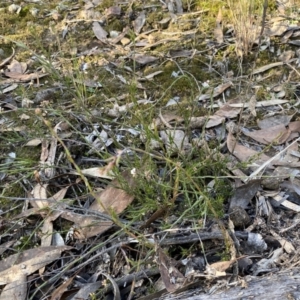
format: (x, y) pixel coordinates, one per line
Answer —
(39, 193)
(102, 172)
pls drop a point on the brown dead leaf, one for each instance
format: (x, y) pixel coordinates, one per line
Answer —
(277, 135)
(17, 67)
(16, 290)
(58, 292)
(214, 120)
(275, 120)
(87, 226)
(277, 26)
(18, 77)
(218, 269)
(165, 119)
(170, 275)
(39, 193)
(113, 197)
(27, 262)
(102, 172)
(222, 266)
(216, 92)
(228, 111)
(272, 65)
(295, 126)
(245, 154)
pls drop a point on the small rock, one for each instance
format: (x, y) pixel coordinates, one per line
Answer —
(270, 183)
(239, 217)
